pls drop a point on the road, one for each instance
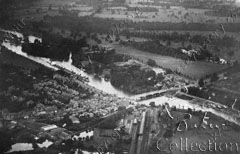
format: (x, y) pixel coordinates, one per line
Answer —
(134, 140)
(205, 100)
(144, 146)
(136, 97)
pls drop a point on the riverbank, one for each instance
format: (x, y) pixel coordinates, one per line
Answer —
(11, 58)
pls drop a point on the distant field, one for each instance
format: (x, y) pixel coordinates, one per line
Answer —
(196, 69)
(223, 51)
(54, 2)
(174, 15)
(231, 84)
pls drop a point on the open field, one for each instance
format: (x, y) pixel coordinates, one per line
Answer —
(229, 86)
(195, 69)
(231, 83)
(46, 3)
(173, 15)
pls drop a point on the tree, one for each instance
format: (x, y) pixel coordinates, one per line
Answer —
(201, 83)
(190, 111)
(230, 53)
(183, 43)
(187, 116)
(25, 39)
(214, 77)
(194, 91)
(152, 104)
(189, 47)
(169, 43)
(120, 108)
(151, 62)
(168, 71)
(87, 138)
(50, 7)
(5, 141)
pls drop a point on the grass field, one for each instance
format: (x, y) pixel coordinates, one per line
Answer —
(46, 3)
(173, 15)
(195, 69)
(231, 84)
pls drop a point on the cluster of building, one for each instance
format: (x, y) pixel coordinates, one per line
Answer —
(138, 1)
(80, 99)
(7, 116)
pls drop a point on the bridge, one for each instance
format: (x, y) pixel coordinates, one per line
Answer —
(157, 93)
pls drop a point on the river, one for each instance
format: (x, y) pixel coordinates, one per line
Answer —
(100, 84)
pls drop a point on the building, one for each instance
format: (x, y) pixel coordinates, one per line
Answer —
(49, 127)
(74, 119)
(142, 123)
(138, 1)
(106, 133)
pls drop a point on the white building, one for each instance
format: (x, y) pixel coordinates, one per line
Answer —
(49, 127)
(138, 1)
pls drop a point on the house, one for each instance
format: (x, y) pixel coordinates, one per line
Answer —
(105, 133)
(189, 52)
(49, 127)
(85, 63)
(222, 61)
(73, 103)
(74, 119)
(106, 72)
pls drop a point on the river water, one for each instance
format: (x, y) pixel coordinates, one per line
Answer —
(98, 83)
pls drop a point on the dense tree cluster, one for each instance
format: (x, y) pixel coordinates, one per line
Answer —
(7, 8)
(5, 141)
(111, 122)
(88, 24)
(16, 85)
(151, 62)
(133, 79)
(54, 47)
(143, 9)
